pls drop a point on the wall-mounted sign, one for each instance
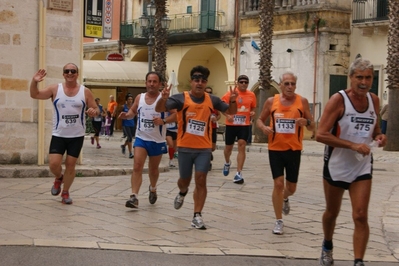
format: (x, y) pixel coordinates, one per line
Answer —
(114, 57)
(65, 5)
(98, 19)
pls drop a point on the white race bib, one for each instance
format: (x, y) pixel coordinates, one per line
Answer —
(196, 127)
(147, 125)
(239, 119)
(361, 126)
(69, 120)
(285, 126)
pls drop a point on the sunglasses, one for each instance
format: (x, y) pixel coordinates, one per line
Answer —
(289, 83)
(198, 78)
(72, 71)
(243, 82)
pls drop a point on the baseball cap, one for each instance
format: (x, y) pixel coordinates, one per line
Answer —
(243, 77)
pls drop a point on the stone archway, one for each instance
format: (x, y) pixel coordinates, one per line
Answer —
(207, 56)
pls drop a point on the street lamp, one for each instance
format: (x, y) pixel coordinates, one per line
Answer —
(147, 22)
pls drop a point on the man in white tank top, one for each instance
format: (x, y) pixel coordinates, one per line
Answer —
(348, 125)
(150, 137)
(70, 101)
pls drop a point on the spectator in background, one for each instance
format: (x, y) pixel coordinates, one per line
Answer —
(107, 124)
(128, 126)
(112, 107)
(97, 123)
(171, 140)
(215, 116)
(384, 119)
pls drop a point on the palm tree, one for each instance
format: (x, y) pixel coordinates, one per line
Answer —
(265, 75)
(393, 77)
(160, 35)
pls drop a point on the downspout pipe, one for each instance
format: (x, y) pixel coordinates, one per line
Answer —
(237, 38)
(42, 65)
(316, 44)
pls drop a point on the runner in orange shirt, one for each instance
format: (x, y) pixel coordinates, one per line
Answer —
(112, 106)
(237, 126)
(289, 113)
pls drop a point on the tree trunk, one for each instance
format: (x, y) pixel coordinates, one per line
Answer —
(265, 76)
(393, 78)
(161, 36)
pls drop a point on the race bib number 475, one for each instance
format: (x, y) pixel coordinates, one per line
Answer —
(361, 126)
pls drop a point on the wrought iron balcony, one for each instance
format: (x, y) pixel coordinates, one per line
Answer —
(201, 23)
(249, 6)
(369, 11)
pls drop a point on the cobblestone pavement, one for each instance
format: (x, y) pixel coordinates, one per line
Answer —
(239, 217)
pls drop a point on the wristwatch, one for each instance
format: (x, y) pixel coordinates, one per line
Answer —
(308, 122)
(164, 121)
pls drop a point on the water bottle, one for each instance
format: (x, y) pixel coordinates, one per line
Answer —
(373, 144)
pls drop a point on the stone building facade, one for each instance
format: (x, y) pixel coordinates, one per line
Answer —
(32, 36)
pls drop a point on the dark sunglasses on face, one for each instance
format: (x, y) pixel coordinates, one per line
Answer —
(243, 82)
(197, 78)
(289, 83)
(72, 71)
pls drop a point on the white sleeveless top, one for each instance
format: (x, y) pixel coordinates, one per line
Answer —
(146, 130)
(356, 127)
(69, 114)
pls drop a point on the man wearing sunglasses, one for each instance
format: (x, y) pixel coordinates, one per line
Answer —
(70, 100)
(289, 113)
(237, 127)
(194, 136)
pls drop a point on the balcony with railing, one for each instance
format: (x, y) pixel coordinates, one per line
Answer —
(248, 6)
(183, 28)
(364, 11)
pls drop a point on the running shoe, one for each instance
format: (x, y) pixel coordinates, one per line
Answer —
(123, 149)
(278, 227)
(133, 202)
(179, 200)
(238, 179)
(92, 141)
(98, 147)
(326, 258)
(359, 263)
(286, 207)
(65, 198)
(152, 196)
(131, 155)
(226, 169)
(198, 223)
(172, 163)
(56, 188)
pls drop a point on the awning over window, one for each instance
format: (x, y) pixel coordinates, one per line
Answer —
(114, 73)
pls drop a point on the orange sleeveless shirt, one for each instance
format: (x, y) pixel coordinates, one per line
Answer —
(287, 134)
(194, 122)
